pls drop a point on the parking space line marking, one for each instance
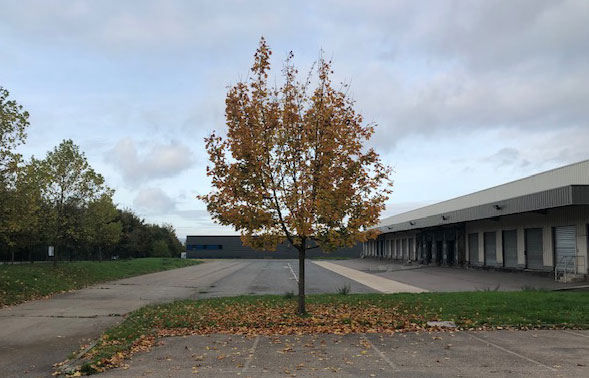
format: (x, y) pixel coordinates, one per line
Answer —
(251, 355)
(577, 334)
(381, 355)
(382, 284)
(512, 352)
(293, 273)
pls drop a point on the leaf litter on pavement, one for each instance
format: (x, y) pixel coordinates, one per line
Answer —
(143, 328)
(333, 314)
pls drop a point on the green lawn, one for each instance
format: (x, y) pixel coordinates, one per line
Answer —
(23, 282)
(357, 313)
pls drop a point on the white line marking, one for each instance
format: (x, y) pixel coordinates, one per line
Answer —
(293, 273)
(381, 354)
(251, 355)
(577, 334)
(512, 352)
(384, 285)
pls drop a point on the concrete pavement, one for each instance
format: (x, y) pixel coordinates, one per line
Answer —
(35, 335)
(462, 354)
(440, 278)
(375, 282)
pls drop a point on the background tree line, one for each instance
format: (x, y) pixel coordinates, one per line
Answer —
(61, 201)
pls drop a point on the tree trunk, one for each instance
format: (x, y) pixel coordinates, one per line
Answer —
(301, 309)
(12, 254)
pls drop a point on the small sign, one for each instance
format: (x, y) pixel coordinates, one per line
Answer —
(51, 251)
(182, 255)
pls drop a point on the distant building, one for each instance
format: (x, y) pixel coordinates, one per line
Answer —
(220, 246)
(536, 223)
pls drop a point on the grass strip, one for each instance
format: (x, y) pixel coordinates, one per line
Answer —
(338, 314)
(23, 282)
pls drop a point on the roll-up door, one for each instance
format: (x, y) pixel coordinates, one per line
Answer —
(490, 248)
(510, 249)
(450, 252)
(404, 249)
(534, 248)
(411, 254)
(398, 251)
(473, 249)
(428, 252)
(565, 242)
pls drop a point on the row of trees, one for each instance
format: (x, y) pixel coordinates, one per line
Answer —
(61, 201)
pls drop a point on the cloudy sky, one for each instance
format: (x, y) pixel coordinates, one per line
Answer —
(466, 94)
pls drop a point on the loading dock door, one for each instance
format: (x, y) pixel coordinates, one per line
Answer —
(565, 242)
(534, 248)
(411, 252)
(510, 249)
(439, 252)
(473, 249)
(450, 253)
(428, 252)
(490, 248)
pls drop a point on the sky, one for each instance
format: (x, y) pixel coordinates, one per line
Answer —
(465, 94)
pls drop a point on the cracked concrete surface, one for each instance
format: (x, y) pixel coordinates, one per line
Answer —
(535, 354)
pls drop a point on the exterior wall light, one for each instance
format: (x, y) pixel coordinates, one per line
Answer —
(498, 207)
(412, 223)
(444, 217)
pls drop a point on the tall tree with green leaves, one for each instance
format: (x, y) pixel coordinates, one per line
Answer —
(294, 165)
(101, 224)
(70, 184)
(14, 121)
(23, 209)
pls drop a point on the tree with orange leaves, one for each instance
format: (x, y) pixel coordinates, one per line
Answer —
(293, 165)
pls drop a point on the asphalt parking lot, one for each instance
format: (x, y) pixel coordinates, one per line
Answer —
(442, 354)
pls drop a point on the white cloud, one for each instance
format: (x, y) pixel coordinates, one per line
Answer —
(157, 161)
(154, 201)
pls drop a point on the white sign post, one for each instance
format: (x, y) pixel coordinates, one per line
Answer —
(51, 251)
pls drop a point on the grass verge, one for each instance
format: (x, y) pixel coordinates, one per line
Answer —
(339, 314)
(23, 282)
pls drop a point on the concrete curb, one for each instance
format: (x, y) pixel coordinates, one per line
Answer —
(73, 365)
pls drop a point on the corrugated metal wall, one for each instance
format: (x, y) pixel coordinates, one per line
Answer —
(490, 247)
(546, 221)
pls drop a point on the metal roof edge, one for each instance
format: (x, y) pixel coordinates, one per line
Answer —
(481, 191)
(418, 222)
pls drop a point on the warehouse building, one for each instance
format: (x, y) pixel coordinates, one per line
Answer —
(226, 247)
(538, 223)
